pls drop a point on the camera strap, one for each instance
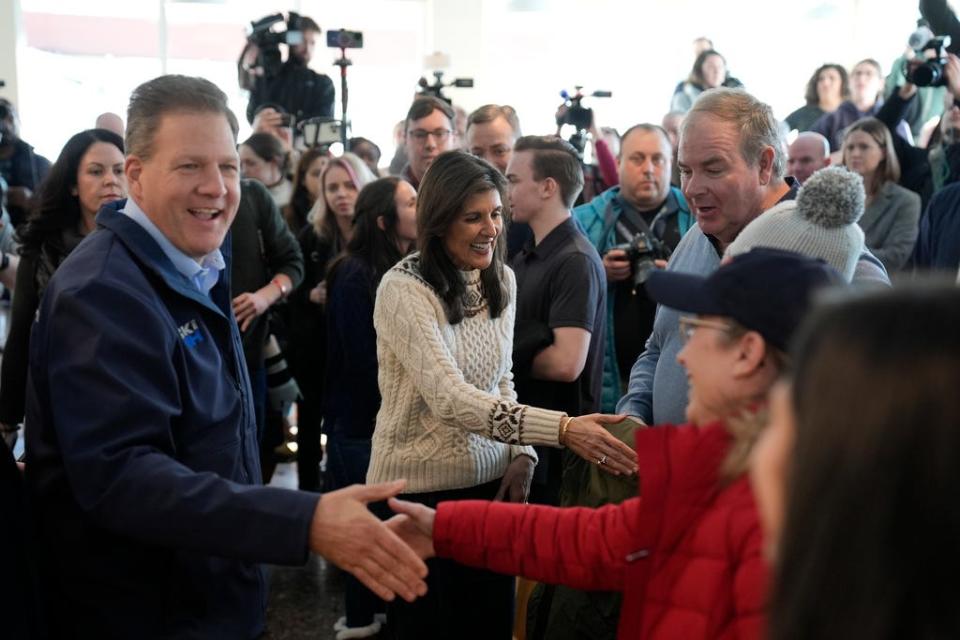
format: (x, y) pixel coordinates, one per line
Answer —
(638, 222)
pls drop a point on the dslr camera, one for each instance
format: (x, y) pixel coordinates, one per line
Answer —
(641, 252)
(929, 73)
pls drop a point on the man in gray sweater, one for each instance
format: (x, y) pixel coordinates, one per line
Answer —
(732, 161)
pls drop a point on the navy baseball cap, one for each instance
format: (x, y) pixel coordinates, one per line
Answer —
(765, 290)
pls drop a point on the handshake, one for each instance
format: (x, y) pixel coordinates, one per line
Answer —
(387, 557)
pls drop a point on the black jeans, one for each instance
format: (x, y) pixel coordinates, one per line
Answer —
(347, 462)
(461, 602)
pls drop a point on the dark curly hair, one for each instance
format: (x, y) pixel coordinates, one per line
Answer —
(813, 97)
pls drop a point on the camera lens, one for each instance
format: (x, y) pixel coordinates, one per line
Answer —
(927, 74)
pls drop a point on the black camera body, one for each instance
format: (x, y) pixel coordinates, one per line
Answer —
(436, 89)
(574, 113)
(642, 250)
(268, 41)
(930, 72)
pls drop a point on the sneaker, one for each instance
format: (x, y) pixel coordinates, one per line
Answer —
(346, 633)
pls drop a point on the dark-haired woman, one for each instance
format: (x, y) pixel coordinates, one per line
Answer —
(384, 230)
(827, 88)
(856, 477)
(709, 72)
(87, 175)
(263, 158)
(306, 187)
(449, 421)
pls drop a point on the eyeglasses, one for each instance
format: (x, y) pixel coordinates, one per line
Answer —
(689, 324)
(420, 135)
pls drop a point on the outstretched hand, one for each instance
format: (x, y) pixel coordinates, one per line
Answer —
(348, 535)
(587, 438)
(414, 525)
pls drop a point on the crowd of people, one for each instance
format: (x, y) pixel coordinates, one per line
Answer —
(713, 400)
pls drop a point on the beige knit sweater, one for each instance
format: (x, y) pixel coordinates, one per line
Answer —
(448, 417)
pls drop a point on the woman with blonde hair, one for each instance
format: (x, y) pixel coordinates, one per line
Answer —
(891, 219)
(330, 225)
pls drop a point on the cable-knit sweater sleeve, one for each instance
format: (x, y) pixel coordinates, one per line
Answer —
(507, 389)
(410, 323)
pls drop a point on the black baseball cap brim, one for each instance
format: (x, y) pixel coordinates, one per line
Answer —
(765, 290)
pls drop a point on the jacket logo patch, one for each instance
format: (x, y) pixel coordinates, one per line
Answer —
(190, 334)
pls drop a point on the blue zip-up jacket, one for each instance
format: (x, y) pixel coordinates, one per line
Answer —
(598, 219)
(142, 455)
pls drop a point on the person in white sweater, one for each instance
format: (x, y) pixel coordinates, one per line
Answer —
(449, 422)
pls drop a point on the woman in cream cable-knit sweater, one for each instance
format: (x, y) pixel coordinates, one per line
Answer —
(449, 422)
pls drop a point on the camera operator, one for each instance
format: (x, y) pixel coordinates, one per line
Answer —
(304, 93)
(600, 176)
(632, 226)
(20, 166)
(926, 171)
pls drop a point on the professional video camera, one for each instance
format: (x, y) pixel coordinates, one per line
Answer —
(573, 112)
(929, 73)
(436, 89)
(268, 41)
(641, 252)
(439, 61)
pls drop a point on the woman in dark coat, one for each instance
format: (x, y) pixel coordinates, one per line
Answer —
(87, 175)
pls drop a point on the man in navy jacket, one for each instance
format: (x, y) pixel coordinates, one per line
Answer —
(141, 446)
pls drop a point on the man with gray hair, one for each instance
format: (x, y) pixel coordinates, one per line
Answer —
(142, 459)
(732, 162)
(810, 152)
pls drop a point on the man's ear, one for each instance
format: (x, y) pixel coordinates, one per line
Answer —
(766, 165)
(548, 187)
(133, 167)
(751, 352)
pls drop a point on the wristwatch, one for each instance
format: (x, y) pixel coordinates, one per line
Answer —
(284, 289)
(4, 260)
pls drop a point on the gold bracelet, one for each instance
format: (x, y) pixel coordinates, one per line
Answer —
(564, 423)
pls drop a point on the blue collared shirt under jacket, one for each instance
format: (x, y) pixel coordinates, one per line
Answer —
(142, 454)
(203, 274)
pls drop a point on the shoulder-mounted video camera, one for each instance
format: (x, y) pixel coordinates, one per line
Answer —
(268, 40)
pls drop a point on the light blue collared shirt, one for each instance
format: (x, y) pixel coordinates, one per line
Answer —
(203, 275)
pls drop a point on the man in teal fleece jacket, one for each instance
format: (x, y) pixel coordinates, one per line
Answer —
(643, 202)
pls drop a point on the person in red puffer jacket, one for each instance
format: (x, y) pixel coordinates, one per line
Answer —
(688, 552)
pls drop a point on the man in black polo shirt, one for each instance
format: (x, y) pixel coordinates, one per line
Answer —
(561, 294)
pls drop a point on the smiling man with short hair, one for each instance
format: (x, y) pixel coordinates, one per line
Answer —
(142, 453)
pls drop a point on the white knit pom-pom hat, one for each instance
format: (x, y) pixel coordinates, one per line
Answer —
(820, 223)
